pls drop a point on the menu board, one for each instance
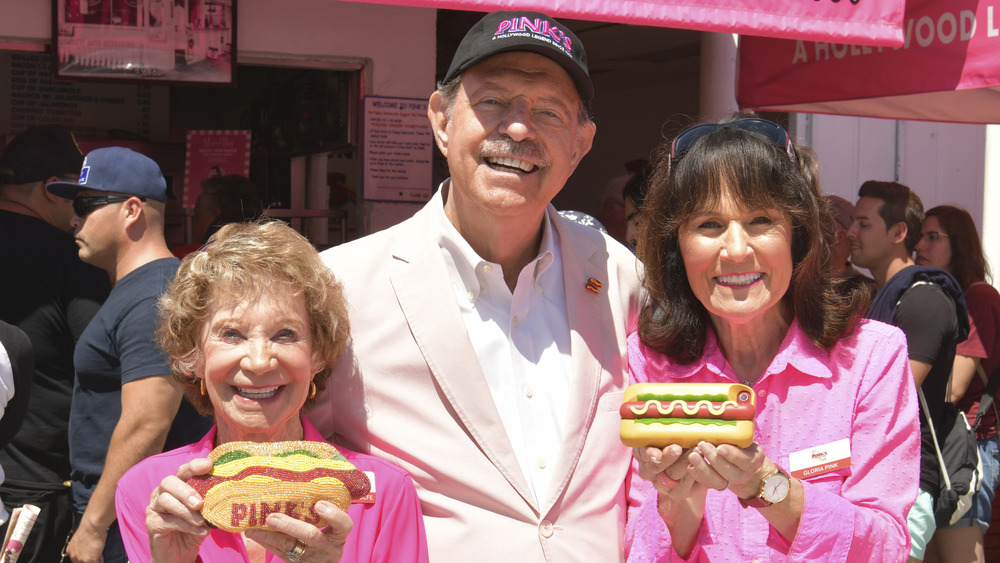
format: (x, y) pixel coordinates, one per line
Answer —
(91, 110)
(398, 148)
(213, 153)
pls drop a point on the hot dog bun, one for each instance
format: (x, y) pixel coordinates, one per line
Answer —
(249, 480)
(660, 414)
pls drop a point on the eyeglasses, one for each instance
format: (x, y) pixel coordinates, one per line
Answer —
(769, 129)
(85, 205)
(933, 236)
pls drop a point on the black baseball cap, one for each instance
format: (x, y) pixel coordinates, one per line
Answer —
(535, 32)
(39, 153)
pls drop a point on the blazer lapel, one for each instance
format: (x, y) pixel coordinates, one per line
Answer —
(426, 297)
(588, 321)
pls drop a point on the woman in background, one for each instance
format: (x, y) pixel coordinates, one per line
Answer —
(949, 241)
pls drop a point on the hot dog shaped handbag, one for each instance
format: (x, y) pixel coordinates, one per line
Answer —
(249, 480)
(660, 414)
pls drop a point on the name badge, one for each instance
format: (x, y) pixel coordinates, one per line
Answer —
(370, 497)
(820, 459)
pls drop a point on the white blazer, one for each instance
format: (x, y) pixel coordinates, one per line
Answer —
(409, 389)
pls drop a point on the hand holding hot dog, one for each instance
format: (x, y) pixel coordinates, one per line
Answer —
(173, 518)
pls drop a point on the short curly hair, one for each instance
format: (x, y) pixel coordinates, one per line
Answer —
(241, 262)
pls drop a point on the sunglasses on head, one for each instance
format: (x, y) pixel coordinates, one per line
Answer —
(85, 205)
(769, 129)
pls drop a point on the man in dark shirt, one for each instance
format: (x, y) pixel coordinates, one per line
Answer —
(926, 303)
(51, 295)
(125, 402)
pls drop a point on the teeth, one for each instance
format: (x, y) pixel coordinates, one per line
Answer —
(510, 162)
(257, 392)
(740, 279)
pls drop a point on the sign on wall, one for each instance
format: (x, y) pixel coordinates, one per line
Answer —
(398, 148)
(91, 110)
(213, 153)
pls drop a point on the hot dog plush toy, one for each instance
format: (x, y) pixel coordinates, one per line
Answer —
(250, 480)
(660, 414)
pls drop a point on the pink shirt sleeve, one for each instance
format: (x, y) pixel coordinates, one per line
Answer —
(854, 514)
(867, 521)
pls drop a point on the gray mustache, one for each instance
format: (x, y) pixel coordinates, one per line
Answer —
(521, 150)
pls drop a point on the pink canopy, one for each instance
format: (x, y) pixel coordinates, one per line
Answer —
(870, 22)
(948, 69)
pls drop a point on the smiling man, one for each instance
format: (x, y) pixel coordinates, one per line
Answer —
(125, 402)
(488, 353)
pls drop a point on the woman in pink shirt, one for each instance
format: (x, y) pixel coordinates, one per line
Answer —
(252, 323)
(735, 245)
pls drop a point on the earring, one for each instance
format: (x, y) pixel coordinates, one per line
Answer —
(202, 381)
(312, 389)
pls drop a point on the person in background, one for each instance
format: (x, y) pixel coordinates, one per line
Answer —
(252, 325)
(634, 195)
(17, 365)
(926, 303)
(224, 199)
(734, 244)
(843, 215)
(949, 240)
(126, 406)
(50, 294)
(488, 352)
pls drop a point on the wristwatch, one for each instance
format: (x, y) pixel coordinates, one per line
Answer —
(773, 489)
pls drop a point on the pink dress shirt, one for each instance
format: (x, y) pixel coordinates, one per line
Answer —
(391, 529)
(862, 390)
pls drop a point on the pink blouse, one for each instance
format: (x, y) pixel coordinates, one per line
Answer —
(391, 529)
(862, 391)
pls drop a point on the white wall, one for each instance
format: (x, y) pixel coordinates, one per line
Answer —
(944, 163)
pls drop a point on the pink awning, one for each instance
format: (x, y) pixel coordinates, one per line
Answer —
(867, 22)
(948, 69)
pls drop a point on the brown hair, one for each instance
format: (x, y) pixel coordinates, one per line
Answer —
(241, 262)
(968, 263)
(900, 205)
(757, 173)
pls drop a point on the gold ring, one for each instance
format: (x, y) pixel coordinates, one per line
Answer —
(295, 554)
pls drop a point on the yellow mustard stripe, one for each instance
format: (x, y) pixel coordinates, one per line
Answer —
(291, 463)
(690, 410)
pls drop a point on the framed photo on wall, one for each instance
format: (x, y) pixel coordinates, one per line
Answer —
(185, 41)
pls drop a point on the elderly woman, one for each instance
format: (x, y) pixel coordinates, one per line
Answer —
(252, 323)
(736, 248)
(949, 240)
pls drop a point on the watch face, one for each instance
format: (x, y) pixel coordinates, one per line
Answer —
(775, 488)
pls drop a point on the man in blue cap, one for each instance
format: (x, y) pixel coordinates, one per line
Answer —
(51, 295)
(125, 402)
(488, 333)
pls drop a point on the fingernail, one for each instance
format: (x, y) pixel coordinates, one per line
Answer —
(322, 508)
(193, 500)
(656, 457)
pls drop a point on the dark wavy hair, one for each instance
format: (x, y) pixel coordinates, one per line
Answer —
(968, 263)
(900, 204)
(757, 173)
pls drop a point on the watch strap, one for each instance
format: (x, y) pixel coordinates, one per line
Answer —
(759, 501)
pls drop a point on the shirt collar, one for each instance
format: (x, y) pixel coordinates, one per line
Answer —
(796, 350)
(466, 259)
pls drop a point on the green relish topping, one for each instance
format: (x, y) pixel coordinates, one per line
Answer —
(686, 398)
(297, 452)
(231, 456)
(714, 421)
